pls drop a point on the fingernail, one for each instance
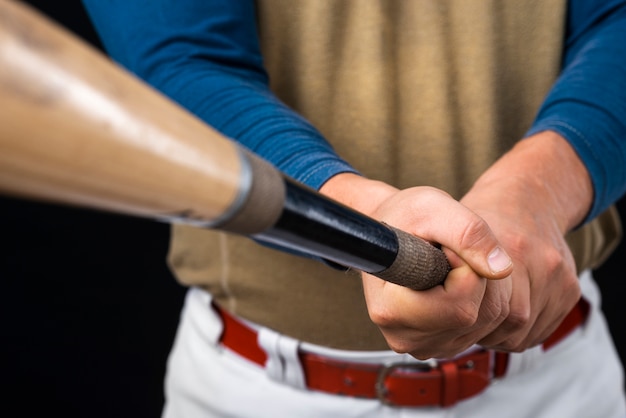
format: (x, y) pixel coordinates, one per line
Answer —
(498, 260)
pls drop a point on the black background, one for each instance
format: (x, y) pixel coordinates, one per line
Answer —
(89, 308)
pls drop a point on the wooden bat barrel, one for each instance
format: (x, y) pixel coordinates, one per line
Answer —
(77, 129)
(96, 136)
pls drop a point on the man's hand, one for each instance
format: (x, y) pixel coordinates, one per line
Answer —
(531, 198)
(523, 206)
(446, 319)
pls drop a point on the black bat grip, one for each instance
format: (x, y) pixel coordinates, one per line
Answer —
(285, 213)
(419, 265)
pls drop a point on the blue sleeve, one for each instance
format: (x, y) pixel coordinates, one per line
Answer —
(206, 56)
(587, 104)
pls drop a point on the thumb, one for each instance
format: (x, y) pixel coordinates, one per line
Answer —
(496, 265)
(473, 243)
(467, 239)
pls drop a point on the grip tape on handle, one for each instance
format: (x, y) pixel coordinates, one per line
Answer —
(419, 265)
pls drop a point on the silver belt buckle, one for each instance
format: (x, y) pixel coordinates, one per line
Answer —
(386, 370)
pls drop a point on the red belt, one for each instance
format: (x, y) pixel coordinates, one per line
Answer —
(400, 384)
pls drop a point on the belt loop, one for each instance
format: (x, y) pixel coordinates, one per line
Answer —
(450, 383)
(500, 363)
(283, 362)
(206, 321)
(268, 341)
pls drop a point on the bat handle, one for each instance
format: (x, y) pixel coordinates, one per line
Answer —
(419, 265)
(283, 212)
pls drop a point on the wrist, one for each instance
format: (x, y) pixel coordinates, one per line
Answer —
(357, 192)
(547, 169)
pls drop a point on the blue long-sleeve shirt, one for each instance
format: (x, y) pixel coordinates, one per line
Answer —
(205, 54)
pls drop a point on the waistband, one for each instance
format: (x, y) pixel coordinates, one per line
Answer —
(412, 384)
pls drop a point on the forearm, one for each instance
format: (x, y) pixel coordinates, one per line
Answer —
(546, 169)
(588, 102)
(250, 114)
(205, 55)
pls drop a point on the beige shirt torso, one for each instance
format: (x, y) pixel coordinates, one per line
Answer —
(420, 92)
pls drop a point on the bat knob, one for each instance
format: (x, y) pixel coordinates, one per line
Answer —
(419, 265)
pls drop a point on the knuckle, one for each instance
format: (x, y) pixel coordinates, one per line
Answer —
(517, 319)
(475, 231)
(465, 315)
(381, 317)
(554, 260)
(495, 313)
(434, 193)
(518, 244)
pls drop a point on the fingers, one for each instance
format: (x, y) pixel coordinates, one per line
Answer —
(435, 216)
(447, 319)
(541, 298)
(439, 322)
(453, 305)
(509, 334)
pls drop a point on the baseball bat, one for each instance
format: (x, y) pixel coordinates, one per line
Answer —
(77, 129)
